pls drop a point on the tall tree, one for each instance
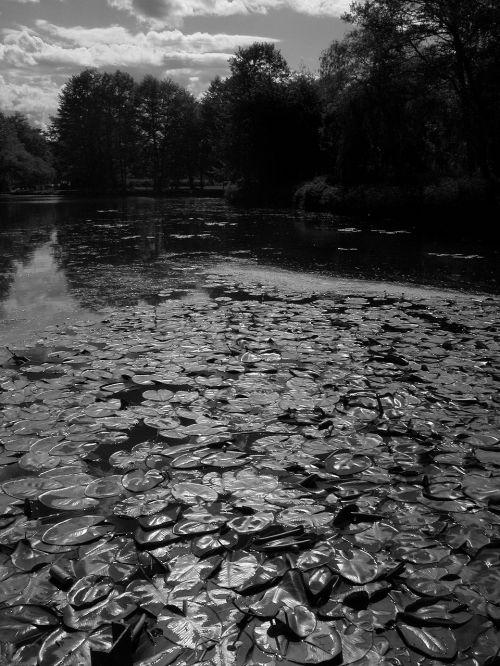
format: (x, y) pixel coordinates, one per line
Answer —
(93, 129)
(164, 114)
(458, 41)
(264, 120)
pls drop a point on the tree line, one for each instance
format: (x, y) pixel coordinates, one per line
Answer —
(25, 154)
(409, 96)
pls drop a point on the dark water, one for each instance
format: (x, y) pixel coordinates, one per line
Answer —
(61, 254)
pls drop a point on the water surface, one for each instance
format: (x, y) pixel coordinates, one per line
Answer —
(61, 256)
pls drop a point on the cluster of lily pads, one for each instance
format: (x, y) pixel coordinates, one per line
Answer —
(257, 478)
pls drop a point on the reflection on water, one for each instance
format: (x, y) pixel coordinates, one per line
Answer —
(38, 285)
(58, 255)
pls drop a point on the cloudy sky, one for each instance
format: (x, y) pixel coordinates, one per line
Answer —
(43, 42)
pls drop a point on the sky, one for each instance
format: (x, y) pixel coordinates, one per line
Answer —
(44, 42)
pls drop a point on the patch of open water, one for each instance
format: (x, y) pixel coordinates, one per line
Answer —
(65, 257)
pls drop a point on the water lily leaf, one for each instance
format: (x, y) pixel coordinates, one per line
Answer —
(75, 531)
(346, 464)
(193, 627)
(143, 505)
(317, 557)
(163, 395)
(319, 584)
(435, 642)
(356, 642)
(71, 449)
(25, 622)
(428, 588)
(212, 544)
(138, 481)
(151, 596)
(88, 618)
(29, 487)
(71, 498)
(225, 459)
(192, 493)
(436, 613)
(95, 559)
(248, 480)
(34, 461)
(167, 517)
(306, 516)
(251, 524)
(38, 589)
(319, 647)
(300, 621)
(291, 542)
(108, 486)
(189, 568)
(482, 489)
(188, 526)
(62, 648)
(356, 566)
(151, 539)
(27, 558)
(191, 459)
(89, 590)
(237, 570)
(291, 591)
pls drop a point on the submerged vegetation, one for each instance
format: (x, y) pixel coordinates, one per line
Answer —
(258, 478)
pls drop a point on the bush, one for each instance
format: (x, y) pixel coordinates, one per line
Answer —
(457, 195)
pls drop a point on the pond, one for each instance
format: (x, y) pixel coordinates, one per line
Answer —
(209, 457)
(60, 255)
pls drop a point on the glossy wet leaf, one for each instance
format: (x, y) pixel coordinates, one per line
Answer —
(356, 566)
(251, 524)
(435, 642)
(108, 486)
(29, 487)
(319, 647)
(192, 627)
(151, 596)
(89, 590)
(63, 648)
(236, 570)
(191, 493)
(138, 481)
(74, 531)
(25, 622)
(72, 498)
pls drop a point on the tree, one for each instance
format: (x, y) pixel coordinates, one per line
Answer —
(262, 123)
(458, 41)
(93, 129)
(165, 113)
(25, 156)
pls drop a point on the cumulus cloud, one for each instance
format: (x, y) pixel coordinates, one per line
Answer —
(55, 52)
(173, 12)
(115, 47)
(36, 97)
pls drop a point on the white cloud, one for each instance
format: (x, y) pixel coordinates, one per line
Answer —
(37, 63)
(115, 47)
(173, 12)
(36, 97)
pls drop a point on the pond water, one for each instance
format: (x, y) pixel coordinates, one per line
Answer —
(224, 442)
(65, 255)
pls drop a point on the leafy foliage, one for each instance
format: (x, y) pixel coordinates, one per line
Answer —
(350, 517)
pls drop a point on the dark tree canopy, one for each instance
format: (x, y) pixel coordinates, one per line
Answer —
(25, 155)
(409, 97)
